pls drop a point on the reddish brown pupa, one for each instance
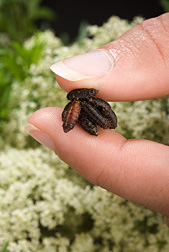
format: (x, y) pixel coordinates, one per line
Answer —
(70, 115)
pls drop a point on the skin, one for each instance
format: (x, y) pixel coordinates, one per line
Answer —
(137, 169)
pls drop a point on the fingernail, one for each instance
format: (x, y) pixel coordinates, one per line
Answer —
(40, 136)
(84, 66)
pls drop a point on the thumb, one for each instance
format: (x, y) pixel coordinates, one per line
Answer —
(133, 169)
(133, 67)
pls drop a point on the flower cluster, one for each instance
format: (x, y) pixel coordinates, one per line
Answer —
(44, 204)
(46, 207)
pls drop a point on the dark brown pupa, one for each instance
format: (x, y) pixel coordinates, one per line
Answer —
(89, 111)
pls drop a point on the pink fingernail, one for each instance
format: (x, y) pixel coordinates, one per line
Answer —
(88, 65)
(40, 136)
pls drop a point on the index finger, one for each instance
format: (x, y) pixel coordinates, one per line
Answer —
(133, 67)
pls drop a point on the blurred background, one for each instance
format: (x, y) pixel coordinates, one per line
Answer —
(20, 18)
(71, 13)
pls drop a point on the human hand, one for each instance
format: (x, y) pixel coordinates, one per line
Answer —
(133, 67)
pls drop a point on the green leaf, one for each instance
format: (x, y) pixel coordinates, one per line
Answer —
(18, 17)
(82, 34)
(5, 248)
(165, 5)
(14, 66)
(43, 13)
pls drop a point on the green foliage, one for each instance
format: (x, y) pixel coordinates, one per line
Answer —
(17, 22)
(18, 17)
(165, 5)
(82, 33)
(16, 61)
(5, 248)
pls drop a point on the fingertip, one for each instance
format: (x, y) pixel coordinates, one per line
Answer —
(46, 118)
(84, 70)
(130, 68)
(77, 148)
(39, 127)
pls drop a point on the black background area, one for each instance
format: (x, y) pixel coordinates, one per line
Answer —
(71, 13)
